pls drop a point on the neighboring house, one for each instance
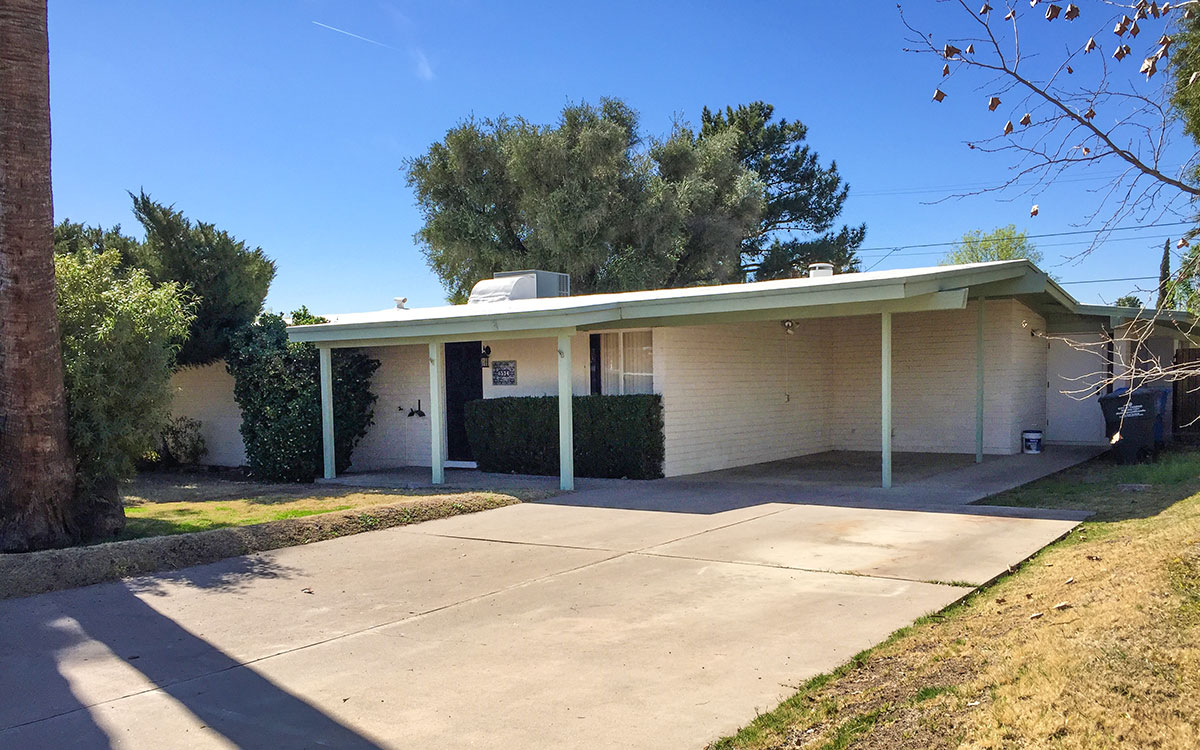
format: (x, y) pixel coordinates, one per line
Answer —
(751, 372)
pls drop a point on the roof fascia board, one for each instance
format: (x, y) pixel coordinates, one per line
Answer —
(1033, 283)
(969, 278)
(422, 341)
(543, 324)
(955, 299)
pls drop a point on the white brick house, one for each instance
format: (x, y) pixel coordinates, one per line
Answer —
(753, 372)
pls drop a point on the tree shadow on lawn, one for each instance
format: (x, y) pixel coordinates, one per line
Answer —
(49, 642)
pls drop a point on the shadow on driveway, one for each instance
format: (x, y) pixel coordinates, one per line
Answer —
(49, 642)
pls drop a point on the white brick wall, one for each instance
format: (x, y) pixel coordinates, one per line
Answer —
(537, 367)
(726, 388)
(397, 439)
(735, 394)
(206, 393)
(739, 394)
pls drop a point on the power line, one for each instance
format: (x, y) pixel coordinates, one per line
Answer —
(1106, 281)
(1075, 243)
(894, 248)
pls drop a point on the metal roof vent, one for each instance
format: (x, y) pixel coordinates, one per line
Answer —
(819, 270)
(511, 285)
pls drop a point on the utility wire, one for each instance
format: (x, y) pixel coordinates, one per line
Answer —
(894, 248)
(1105, 281)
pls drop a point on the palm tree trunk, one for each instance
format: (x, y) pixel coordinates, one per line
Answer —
(37, 476)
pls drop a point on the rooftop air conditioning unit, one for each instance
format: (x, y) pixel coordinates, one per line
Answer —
(512, 285)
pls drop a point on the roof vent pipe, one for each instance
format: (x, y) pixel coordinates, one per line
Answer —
(819, 270)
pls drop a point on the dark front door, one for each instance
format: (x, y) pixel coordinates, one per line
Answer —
(464, 382)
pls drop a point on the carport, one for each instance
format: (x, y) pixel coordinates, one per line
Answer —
(968, 355)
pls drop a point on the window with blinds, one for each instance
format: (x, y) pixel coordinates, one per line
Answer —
(622, 363)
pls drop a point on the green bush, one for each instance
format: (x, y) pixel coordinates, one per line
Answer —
(120, 333)
(615, 436)
(277, 386)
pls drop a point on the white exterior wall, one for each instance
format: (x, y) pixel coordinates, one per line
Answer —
(739, 394)
(1079, 421)
(747, 393)
(1070, 419)
(206, 393)
(537, 367)
(396, 439)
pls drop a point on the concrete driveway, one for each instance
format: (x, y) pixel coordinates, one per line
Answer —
(587, 621)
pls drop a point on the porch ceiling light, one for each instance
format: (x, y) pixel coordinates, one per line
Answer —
(485, 356)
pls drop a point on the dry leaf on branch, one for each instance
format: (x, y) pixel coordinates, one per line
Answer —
(1008, 127)
(1072, 12)
(1033, 211)
(950, 51)
(1026, 119)
(1091, 45)
(970, 49)
(1134, 30)
(938, 95)
(1070, 70)
(993, 103)
(1149, 67)
(1089, 114)
(946, 70)
(1010, 15)
(1086, 151)
(985, 9)
(1053, 11)
(1178, 246)
(1121, 52)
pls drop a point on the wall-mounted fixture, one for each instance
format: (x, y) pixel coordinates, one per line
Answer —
(485, 356)
(789, 326)
(415, 412)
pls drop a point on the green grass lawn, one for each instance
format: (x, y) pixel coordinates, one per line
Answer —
(159, 503)
(1094, 643)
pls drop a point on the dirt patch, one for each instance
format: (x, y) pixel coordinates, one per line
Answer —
(50, 570)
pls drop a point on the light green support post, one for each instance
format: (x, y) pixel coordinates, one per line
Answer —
(885, 379)
(437, 412)
(979, 384)
(327, 411)
(566, 421)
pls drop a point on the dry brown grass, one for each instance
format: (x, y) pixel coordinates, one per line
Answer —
(1118, 667)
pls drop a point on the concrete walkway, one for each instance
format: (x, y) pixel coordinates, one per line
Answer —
(648, 615)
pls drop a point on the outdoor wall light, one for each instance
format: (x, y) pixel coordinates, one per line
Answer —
(789, 326)
(485, 356)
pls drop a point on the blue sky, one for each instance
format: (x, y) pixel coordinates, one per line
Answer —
(290, 135)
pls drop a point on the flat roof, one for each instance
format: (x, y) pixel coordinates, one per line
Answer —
(899, 290)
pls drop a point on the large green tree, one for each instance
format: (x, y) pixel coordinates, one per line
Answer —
(1002, 243)
(224, 279)
(588, 196)
(227, 279)
(803, 197)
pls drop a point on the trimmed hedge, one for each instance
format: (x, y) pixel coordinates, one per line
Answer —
(617, 437)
